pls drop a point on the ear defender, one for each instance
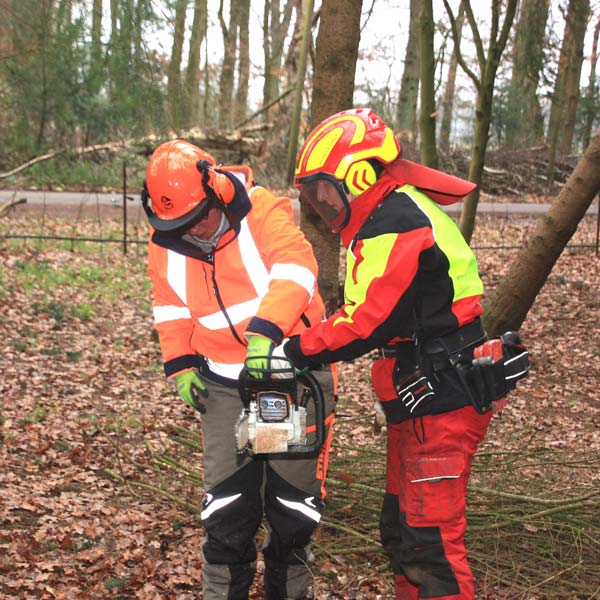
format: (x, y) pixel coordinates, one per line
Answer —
(361, 176)
(223, 186)
(220, 184)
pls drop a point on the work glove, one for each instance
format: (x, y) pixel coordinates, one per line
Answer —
(259, 352)
(301, 362)
(190, 387)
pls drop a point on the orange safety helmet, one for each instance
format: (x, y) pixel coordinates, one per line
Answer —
(182, 185)
(336, 160)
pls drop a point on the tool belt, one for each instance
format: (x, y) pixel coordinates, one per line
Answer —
(486, 369)
(455, 348)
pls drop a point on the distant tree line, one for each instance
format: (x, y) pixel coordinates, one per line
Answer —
(79, 72)
(84, 72)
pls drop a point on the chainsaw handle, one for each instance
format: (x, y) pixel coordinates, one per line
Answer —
(312, 384)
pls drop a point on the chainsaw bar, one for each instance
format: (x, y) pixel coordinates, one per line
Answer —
(242, 436)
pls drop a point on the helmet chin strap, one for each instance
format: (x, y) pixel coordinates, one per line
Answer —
(208, 245)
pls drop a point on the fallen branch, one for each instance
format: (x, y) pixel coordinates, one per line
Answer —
(233, 141)
(533, 500)
(112, 146)
(5, 208)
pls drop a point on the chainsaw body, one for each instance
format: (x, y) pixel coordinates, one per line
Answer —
(273, 420)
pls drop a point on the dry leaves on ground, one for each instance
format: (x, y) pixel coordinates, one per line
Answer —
(101, 462)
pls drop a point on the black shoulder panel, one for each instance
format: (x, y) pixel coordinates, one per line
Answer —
(398, 213)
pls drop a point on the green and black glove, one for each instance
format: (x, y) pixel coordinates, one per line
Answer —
(190, 387)
(258, 359)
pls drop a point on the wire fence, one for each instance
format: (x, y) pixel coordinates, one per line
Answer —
(98, 223)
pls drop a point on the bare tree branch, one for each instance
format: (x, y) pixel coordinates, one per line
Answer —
(459, 56)
(476, 36)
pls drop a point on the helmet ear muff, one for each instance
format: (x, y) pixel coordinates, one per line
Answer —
(360, 177)
(219, 183)
(223, 187)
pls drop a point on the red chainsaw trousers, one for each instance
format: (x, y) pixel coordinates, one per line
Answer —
(423, 521)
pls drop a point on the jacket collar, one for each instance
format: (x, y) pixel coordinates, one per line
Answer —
(362, 206)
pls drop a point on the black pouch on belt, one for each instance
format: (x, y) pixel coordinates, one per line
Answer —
(496, 367)
(483, 383)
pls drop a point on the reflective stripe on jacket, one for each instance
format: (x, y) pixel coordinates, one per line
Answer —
(408, 269)
(264, 281)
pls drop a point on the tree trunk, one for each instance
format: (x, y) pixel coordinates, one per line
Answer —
(64, 13)
(241, 96)
(126, 35)
(488, 67)
(579, 21)
(483, 118)
(269, 84)
(429, 155)
(569, 63)
(406, 114)
(96, 54)
(525, 122)
(209, 113)
(333, 89)
(275, 28)
(448, 101)
(515, 295)
(192, 73)
(174, 87)
(46, 13)
(590, 112)
(228, 68)
(291, 60)
(297, 108)
(138, 31)
(113, 67)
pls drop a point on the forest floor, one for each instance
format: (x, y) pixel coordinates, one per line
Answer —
(101, 462)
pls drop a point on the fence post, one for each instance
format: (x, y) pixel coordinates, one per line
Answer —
(124, 207)
(598, 226)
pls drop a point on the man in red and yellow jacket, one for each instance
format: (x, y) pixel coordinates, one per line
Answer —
(413, 290)
(232, 276)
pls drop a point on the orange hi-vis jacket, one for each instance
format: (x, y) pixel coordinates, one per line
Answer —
(262, 281)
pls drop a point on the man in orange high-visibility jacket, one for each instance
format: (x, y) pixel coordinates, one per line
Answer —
(232, 277)
(412, 288)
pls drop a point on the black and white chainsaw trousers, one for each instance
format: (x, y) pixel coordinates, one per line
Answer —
(288, 490)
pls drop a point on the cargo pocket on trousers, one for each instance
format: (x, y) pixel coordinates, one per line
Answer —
(435, 489)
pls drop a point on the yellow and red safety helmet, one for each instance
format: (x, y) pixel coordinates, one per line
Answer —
(335, 161)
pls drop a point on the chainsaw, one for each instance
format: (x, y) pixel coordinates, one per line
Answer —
(273, 420)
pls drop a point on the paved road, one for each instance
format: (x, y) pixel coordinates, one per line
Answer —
(92, 199)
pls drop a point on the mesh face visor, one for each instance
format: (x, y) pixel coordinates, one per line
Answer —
(327, 196)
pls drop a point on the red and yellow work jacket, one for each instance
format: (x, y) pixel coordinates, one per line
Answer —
(261, 281)
(409, 271)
